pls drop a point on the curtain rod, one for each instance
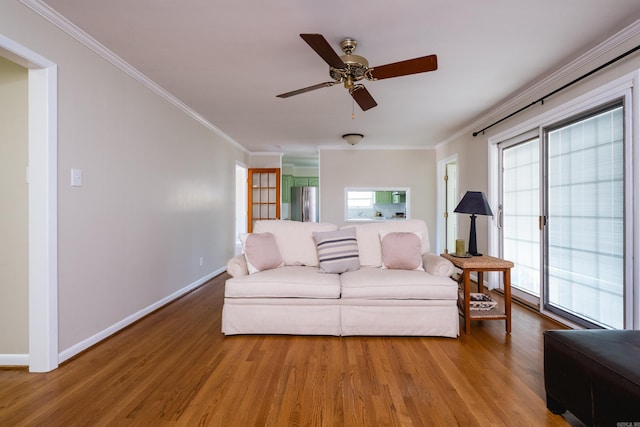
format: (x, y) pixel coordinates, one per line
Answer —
(571, 83)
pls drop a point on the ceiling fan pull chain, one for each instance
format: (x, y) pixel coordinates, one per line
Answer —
(353, 109)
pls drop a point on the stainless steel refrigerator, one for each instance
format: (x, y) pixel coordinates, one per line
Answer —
(304, 204)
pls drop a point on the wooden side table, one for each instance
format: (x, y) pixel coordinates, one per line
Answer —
(480, 264)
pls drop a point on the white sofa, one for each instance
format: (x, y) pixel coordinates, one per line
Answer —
(297, 298)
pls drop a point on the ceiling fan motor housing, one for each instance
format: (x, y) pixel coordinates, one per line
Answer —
(356, 65)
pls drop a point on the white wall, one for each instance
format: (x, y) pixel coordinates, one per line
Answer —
(265, 160)
(158, 188)
(14, 268)
(360, 167)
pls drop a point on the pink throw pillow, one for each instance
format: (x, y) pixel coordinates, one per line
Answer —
(401, 251)
(261, 252)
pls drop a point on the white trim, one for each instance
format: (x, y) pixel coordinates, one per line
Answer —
(634, 163)
(630, 141)
(68, 27)
(118, 326)
(14, 359)
(43, 202)
(43, 219)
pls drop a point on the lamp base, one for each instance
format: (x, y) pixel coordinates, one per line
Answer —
(473, 247)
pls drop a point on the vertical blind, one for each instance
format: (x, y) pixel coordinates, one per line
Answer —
(585, 275)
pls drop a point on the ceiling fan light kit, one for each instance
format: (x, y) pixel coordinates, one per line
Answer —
(349, 68)
(352, 138)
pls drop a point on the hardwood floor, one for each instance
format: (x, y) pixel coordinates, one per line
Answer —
(174, 367)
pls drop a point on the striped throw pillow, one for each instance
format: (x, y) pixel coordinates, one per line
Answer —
(337, 250)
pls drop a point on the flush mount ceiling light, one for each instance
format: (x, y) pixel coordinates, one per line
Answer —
(352, 138)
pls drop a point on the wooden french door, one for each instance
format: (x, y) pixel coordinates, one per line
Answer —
(264, 195)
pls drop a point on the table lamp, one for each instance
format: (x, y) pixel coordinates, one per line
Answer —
(474, 203)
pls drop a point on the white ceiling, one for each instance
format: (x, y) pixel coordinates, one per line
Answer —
(228, 60)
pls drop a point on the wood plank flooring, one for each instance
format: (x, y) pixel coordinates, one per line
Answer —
(175, 368)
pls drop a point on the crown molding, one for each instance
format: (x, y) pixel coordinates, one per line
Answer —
(74, 31)
(266, 153)
(550, 82)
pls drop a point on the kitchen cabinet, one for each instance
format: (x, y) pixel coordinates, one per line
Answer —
(399, 197)
(389, 197)
(305, 181)
(287, 183)
(384, 197)
(300, 181)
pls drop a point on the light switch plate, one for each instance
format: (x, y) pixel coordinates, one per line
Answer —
(76, 177)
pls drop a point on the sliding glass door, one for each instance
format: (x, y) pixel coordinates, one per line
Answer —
(562, 216)
(585, 233)
(519, 214)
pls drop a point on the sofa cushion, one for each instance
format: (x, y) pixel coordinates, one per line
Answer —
(378, 283)
(285, 282)
(295, 239)
(437, 265)
(369, 237)
(401, 250)
(237, 266)
(337, 250)
(261, 252)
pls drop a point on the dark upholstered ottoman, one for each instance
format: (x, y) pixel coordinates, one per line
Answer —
(595, 374)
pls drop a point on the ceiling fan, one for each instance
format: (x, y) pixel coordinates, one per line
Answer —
(349, 69)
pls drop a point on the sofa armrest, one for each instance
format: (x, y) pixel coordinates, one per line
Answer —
(237, 266)
(436, 265)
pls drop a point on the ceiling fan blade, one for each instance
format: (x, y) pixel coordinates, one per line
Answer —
(306, 89)
(404, 68)
(362, 96)
(322, 48)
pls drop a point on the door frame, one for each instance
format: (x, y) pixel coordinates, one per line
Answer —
(242, 176)
(43, 203)
(441, 238)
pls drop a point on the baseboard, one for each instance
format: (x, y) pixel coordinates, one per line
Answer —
(14, 360)
(95, 339)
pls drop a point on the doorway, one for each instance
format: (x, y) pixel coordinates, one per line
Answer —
(447, 202)
(42, 201)
(14, 226)
(241, 205)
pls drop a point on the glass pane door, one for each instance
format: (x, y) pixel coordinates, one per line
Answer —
(264, 195)
(585, 258)
(520, 215)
